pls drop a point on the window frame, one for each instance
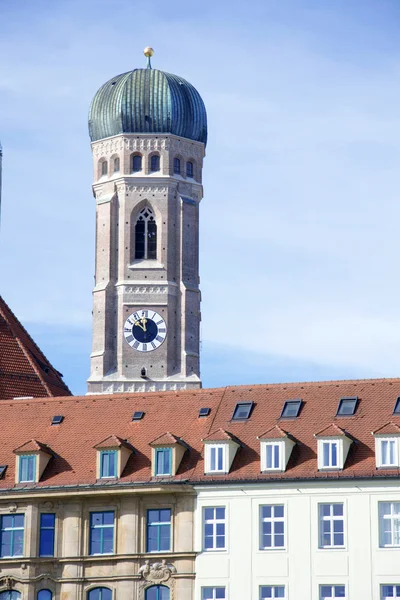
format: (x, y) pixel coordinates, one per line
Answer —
(22, 458)
(96, 589)
(273, 590)
(287, 403)
(40, 593)
(216, 447)
(148, 220)
(163, 451)
(379, 440)
(12, 529)
(116, 162)
(104, 453)
(42, 529)
(159, 524)
(214, 589)
(273, 444)
(190, 171)
(102, 527)
(331, 519)
(273, 520)
(132, 161)
(333, 587)
(347, 400)
(154, 156)
(239, 406)
(392, 519)
(391, 585)
(332, 442)
(177, 166)
(214, 522)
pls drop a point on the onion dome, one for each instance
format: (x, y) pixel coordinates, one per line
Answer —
(148, 101)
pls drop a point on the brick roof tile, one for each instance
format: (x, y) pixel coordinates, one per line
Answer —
(389, 428)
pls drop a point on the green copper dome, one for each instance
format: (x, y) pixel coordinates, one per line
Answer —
(148, 101)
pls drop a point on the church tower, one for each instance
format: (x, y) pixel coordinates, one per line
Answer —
(148, 130)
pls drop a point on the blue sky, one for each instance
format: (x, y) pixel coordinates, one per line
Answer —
(300, 219)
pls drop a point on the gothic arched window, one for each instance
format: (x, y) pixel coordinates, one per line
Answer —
(136, 163)
(157, 592)
(10, 595)
(189, 169)
(104, 168)
(44, 595)
(100, 593)
(146, 235)
(155, 163)
(177, 166)
(116, 164)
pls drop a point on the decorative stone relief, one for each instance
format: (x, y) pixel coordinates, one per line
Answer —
(7, 582)
(146, 189)
(108, 147)
(144, 289)
(158, 572)
(13, 507)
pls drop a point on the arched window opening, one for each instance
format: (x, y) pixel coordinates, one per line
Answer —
(157, 592)
(155, 163)
(116, 164)
(104, 168)
(10, 595)
(189, 169)
(100, 593)
(44, 595)
(136, 163)
(177, 166)
(146, 235)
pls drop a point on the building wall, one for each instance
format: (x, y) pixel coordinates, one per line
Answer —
(362, 566)
(72, 571)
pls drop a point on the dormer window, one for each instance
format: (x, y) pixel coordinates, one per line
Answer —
(275, 448)
(163, 461)
(220, 448)
(387, 446)
(27, 468)
(273, 456)
(108, 464)
(333, 447)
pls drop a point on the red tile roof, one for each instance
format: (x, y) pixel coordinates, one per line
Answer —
(273, 433)
(24, 370)
(219, 436)
(389, 428)
(331, 430)
(112, 441)
(165, 439)
(89, 419)
(32, 446)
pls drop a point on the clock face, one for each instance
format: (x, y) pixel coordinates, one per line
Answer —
(145, 330)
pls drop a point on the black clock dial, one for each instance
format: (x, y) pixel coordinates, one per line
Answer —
(145, 330)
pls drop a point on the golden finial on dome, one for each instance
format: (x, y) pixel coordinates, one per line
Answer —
(148, 51)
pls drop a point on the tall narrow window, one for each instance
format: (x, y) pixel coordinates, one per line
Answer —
(116, 164)
(157, 592)
(44, 595)
(389, 524)
(27, 468)
(136, 164)
(217, 458)
(273, 456)
(12, 535)
(47, 530)
(146, 235)
(102, 532)
(104, 168)
(100, 593)
(177, 166)
(389, 453)
(214, 528)
(155, 163)
(159, 530)
(163, 461)
(272, 531)
(189, 169)
(108, 464)
(330, 454)
(331, 525)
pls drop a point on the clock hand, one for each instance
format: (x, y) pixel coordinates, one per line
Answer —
(144, 321)
(139, 325)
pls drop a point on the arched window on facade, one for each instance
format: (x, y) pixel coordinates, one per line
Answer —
(116, 164)
(10, 595)
(177, 166)
(189, 169)
(146, 235)
(155, 163)
(104, 168)
(100, 593)
(44, 595)
(136, 163)
(157, 592)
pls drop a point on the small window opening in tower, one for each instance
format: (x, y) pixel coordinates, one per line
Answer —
(116, 165)
(136, 163)
(155, 163)
(189, 169)
(177, 166)
(104, 168)
(146, 235)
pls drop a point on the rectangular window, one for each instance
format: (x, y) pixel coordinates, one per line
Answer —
(158, 530)
(331, 525)
(214, 528)
(272, 591)
(273, 457)
(330, 454)
(390, 591)
(213, 593)
(272, 530)
(217, 458)
(163, 461)
(47, 531)
(27, 468)
(332, 591)
(389, 524)
(102, 532)
(389, 453)
(12, 535)
(108, 464)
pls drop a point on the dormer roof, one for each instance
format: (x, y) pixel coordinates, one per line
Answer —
(112, 441)
(273, 433)
(331, 430)
(166, 439)
(388, 429)
(32, 446)
(220, 435)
